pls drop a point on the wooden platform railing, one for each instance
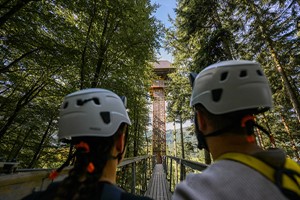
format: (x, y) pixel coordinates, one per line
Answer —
(133, 176)
(135, 173)
(8, 167)
(172, 170)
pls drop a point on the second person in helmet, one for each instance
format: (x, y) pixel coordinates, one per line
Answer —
(96, 122)
(226, 96)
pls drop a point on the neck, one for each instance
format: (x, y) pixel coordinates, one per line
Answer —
(109, 173)
(226, 143)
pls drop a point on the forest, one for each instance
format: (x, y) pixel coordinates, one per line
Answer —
(50, 48)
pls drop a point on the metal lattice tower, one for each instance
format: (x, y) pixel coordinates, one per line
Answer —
(162, 68)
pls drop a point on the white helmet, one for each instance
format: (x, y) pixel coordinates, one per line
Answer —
(91, 112)
(230, 86)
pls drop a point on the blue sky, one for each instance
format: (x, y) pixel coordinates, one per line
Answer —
(166, 8)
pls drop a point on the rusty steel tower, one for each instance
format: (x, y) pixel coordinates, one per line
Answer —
(161, 69)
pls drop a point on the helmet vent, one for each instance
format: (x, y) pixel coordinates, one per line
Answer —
(96, 101)
(243, 73)
(65, 105)
(224, 76)
(216, 94)
(259, 72)
(105, 117)
(80, 102)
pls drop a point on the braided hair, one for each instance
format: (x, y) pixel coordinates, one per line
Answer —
(91, 156)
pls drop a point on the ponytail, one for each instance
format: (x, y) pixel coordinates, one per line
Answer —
(91, 156)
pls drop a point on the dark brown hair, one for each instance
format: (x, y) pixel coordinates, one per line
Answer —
(81, 184)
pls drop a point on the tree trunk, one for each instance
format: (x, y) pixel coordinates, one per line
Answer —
(181, 136)
(280, 69)
(147, 143)
(84, 50)
(39, 149)
(102, 51)
(21, 146)
(7, 68)
(260, 139)
(269, 129)
(24, 100)
(286, 82)
(175, 152)
(135, 131)
(182, 167)
(225, 43)
(294, 147)
(20, 4)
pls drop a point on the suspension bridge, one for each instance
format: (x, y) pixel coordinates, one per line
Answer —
(139, 175)
(153, 175)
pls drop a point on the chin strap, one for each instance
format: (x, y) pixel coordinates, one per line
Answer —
(119, 156)
(248, 122)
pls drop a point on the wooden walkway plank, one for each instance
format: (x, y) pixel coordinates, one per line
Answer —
(158, 187)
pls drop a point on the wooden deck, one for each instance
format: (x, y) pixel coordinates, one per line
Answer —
(158, 187)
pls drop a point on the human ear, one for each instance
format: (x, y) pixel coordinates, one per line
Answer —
(201, 121)
(120, 143)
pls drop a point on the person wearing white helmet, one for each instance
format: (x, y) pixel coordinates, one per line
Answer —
(96, 122)
(226, 97)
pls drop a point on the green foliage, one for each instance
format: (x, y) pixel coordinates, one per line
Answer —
(206, 32)
(178, 97)
(52, 48)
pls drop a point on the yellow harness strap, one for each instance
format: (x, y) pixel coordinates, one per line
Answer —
(268, 171)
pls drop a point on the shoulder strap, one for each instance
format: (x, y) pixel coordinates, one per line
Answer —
(287, 179)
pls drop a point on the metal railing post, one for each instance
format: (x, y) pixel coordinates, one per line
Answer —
(145, 175)
(133, 178)
(182, 171)
(171, 172)
(153, 162)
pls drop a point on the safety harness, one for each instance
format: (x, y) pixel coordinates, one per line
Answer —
(286, 178)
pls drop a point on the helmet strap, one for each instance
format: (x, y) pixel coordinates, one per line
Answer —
(248, 123)
(266, 132)
(220, 131)
(119, 156)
